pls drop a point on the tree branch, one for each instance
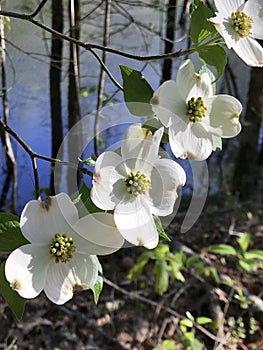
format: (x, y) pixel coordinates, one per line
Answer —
(90, 46)
(33, 155)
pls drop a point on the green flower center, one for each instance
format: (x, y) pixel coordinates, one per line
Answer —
(242, 23)
(137, 183)
(196, 109)
(61, 248)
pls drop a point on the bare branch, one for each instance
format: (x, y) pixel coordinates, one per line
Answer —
(89, 46)
(32, 154)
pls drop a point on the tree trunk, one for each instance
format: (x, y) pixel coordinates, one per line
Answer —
(11, 176)
(246, 171)
(54, 83)
(73, 91)
(170, 37)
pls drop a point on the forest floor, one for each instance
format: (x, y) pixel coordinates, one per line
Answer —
(131, 315)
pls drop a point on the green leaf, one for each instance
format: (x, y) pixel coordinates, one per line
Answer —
(244, 241)
(83, 203)
(186, 322)
(97, 287)
(196, 344)
(248, 265)
(254, 254)
(223, 249)
(137, 92)
(10, 234)
(12, 298)
(203, 320)
(217, 142)
(140, 263)
(161, 274)
(160, 229)
(214, 55)
(91, 161)
(194, 5)
(201, 28)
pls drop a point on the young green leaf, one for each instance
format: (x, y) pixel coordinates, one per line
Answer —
(97, 287)
(244, 241)
(137, 92)
(214, 55)
(161, 274)
(10, 234)
(222, 249)
(203, 320)
(12, 298)
(160, 229)
(254, 254)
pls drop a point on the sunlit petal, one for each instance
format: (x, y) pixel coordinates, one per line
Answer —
(99, 235)
(226, 7)
(105, 178)
(135, 222)
(254, 9)
(26, 269)
(194, 143)
(40, 220)
(164, 193)
(190, 84)
(166, 101)
(250, 51)
(223, 115)
(80, 273)
(140, 148)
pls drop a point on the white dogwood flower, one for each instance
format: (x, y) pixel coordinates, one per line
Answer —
(240, 23)
(60, 256)
(137, 185)
(193, 114)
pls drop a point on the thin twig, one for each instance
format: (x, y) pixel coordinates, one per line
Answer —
(32, 154)
(89, 46)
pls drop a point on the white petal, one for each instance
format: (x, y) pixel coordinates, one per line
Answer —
(140, 148)
(166, 101)
(167, 175)
(254, 9)
(223, 115)
(63, 279)
(135, 222)
(193, 143)
(40, 220)
(226, 7)
(250, 51)
(26, 269)
(107, 178)
(190, 84)
(99, 234)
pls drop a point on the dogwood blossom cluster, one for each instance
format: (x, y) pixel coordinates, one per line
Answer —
(131, 186)
(60, 256)
(193, 114)
(240, 22)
